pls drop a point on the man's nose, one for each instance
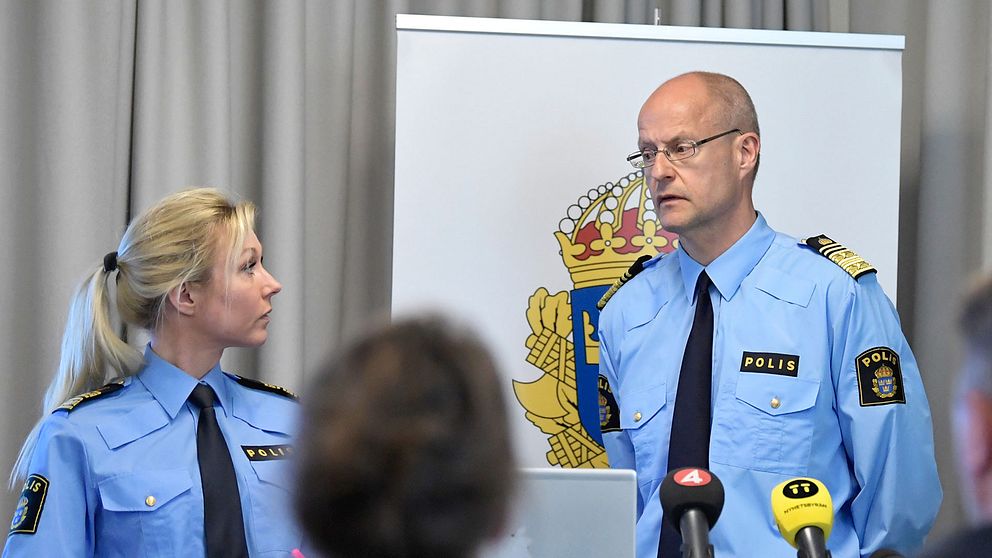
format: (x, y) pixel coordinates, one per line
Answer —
(662, 170)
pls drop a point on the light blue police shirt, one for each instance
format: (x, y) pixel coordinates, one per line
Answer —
(825, 400)
(119, 473)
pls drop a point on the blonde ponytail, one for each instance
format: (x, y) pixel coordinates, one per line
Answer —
(171, 243)
(92, 353)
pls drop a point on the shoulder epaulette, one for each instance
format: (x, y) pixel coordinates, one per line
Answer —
(259, 385)
(849, 261)
(74, 402)
(635, 268)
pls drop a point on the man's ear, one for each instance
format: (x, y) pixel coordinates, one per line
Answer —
(182, 299)
(750, 148)
(976, 433)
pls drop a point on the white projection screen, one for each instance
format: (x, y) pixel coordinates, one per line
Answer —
(510, 131)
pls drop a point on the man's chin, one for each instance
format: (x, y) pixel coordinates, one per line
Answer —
(672, 224)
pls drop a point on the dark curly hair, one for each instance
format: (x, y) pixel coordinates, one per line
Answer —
(405, 450)
(975, 323)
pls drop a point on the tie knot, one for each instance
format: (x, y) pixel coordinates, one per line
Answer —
(203, 396)
(702, 284)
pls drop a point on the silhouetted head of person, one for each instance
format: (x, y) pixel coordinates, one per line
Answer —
(972, 405)
(405, 449)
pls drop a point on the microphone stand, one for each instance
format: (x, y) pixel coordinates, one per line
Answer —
(811, 543)
(695, 535)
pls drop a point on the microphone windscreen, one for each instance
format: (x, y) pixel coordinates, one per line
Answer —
(691, 487)
(802, 502)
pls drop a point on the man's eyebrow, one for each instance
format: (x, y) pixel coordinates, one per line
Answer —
(674, 140)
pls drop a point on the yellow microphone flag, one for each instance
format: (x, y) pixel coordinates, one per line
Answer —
(802, 502)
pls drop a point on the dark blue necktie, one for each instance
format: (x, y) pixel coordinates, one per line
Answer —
(223, 522)
(689, 445)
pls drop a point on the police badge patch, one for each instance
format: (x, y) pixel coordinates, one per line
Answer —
(880, 377)
(29, 506)
(609, 414)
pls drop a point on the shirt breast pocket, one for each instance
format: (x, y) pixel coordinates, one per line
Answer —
(769, 425)
(157, 504)
(644, 418)
(272, 514)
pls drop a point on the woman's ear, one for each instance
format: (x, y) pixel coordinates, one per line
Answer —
(182, 299)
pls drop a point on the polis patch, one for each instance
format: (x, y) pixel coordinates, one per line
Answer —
(770, 363)
(29, 506)
(267, 453)
(880, 377)
(609, 411)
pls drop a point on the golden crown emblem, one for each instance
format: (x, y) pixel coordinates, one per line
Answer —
(883, 384)
(608, 228)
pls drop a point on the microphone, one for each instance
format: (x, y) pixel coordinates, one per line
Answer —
(692, 499)
(804, 514)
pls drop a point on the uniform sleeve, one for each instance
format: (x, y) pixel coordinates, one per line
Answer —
(619, 449)
(885, 422)
(53, 514)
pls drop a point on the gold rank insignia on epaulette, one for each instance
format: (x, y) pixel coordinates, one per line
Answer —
(849, 261)
(74, 402)
(259, 385)
(635, 268)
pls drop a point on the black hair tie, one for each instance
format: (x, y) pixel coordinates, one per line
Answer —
(110, 262)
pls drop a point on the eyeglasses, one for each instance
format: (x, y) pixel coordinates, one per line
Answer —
(682, 150)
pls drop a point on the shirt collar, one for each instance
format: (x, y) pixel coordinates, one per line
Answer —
(171, 387)
(220, 382)
(729, 269)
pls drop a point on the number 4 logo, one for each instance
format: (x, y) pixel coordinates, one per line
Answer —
(692, 477)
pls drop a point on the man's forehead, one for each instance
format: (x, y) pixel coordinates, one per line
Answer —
(679, 99)
(665, 125)
(671, 111)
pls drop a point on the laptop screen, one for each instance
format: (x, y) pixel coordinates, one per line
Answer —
(569, 513)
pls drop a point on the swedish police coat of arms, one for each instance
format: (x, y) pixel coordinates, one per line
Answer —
(601, 235)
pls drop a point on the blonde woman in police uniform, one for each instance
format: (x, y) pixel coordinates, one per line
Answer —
(131, 468)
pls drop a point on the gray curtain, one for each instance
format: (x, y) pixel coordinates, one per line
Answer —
(110, 104)
(65, 120)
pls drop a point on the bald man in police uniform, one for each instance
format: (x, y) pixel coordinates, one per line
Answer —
(811, 373)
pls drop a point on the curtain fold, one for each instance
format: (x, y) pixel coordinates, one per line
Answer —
(953, 180)
(65, 120)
